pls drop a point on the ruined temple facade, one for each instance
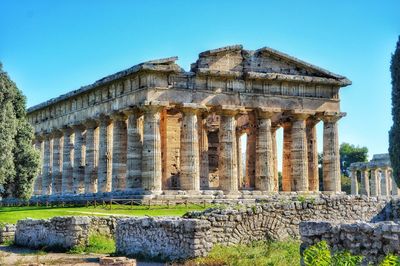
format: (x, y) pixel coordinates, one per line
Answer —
(373, 178)
(155, 129)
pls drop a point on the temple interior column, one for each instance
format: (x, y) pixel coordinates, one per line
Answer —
(151, 154)
(275, 157)
(134, 156)
(286, 157)
(365, 189)
(299, 153)
(374, 182)
(228, 152)
(47, 164)
(119, 157)
(203, 141)
(79, 160)
(105, 154)
(312, 154)
(39, 145)
(189, 150)
(56, 178)
(92, 142)
(264, 154)
(354, 182)
(331, 156)
(68, 160)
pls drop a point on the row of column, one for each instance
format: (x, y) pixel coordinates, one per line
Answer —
(374, 182)
(112, 153)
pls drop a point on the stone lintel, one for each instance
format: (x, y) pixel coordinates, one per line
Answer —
(230, 110)
(192, 107)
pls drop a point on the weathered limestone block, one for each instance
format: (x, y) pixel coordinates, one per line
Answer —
(56, 179)
(299, 160)
(374, 183)
(78, 173)
(312, 157)
(134, 155)
(189, 152)
(364, 190)
(354, 182)
(105, 154)
(92, 142)
(7, 233)
(287, 181)
(384, 183)
(68, 160)
(119, 158)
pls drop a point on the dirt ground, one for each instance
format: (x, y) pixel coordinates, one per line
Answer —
(17, 256)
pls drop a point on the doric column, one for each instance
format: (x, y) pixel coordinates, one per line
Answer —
(312, 151)
(239, 159)
(134, 147)
(354, 182)
(78, 172)
(228, 152)
(203, 141)
(47, 164)
(384, 182)
(119, 152)
(365, 182)
(251, 151)
(39, 146)
(395, 189)
(286, 157)
(264, 153)
(189, 149)
(275, 157)
(151, 154)
(105, 154)
(299, 153)
(331, 157)
(68, 160)
(56, 179)
(92, 142)
(374, 182)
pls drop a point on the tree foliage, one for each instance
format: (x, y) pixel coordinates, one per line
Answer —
(394, 133)
(19, 160)
(351, 154)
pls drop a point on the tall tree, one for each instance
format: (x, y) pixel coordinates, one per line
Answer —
(351, 154)
(394, 133)
(19, 160)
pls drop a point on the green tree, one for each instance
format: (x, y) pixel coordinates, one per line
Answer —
(351, 154)
(394, 133)
(19, 160)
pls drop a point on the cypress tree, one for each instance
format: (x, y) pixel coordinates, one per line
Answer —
(394, 133)
(19, 160)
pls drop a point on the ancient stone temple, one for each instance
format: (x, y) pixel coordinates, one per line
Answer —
(155, 129)
(373, 178)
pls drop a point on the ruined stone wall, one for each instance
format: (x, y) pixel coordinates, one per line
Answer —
(7, 232)
(371, 240)
(163, 238)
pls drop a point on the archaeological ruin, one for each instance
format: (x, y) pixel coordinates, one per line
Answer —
(156, 130)
(373, 178)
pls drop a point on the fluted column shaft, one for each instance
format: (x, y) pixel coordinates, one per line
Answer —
(134, 156)
(331, 156)
(275, 158)
(311, 133)
(384, 183)
(47, 164)
(119, 158)
(264, 154)
(56, 179)
(68, 161)
(39, 145)
(105, 155)
(286, 157)
(354, 182)
(189, 151)
(365, 182)
(92, 142)
(228, 153)
(151, 154)
(395, 189)
(79, 160)
(299, 154)
(374, 183)
(204, 164)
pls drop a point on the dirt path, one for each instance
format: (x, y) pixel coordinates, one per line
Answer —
(17, 256)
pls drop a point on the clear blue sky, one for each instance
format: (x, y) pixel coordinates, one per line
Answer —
(51, 47)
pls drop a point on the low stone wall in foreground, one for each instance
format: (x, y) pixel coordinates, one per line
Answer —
(372, 240)
(7, 232)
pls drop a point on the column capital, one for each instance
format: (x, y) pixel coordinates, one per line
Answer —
(56, 132)
(265, 112)
(132, 110)
(154, 105)
(79, 126)
(230, 110)
(301, 114)
(91, 123)
(39, 136)
(331, 116)
(192, 107)
(118, 116)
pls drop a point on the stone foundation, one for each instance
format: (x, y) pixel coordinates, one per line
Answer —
(7, 232)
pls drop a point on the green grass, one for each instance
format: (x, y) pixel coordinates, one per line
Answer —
(13, 214)
(98, 244)
(284, 253)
